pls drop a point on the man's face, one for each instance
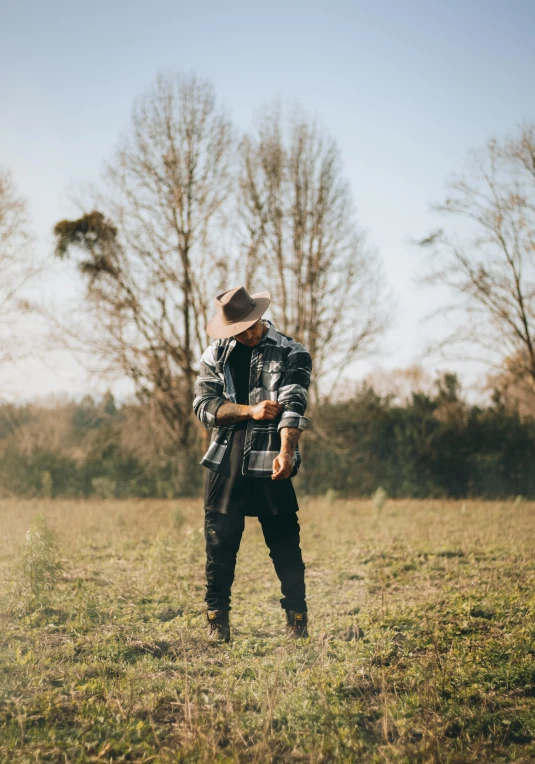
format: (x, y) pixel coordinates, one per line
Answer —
(252, 335)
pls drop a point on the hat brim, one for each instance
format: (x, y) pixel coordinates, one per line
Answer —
(220, 330)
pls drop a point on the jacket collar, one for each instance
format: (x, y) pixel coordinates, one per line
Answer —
(271, 334)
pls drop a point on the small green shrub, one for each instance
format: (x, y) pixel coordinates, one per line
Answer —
(379, 498)
(178, 519)
(47, 484)
(195, 543)
(104, 487)
(38, 568)
(331, 495)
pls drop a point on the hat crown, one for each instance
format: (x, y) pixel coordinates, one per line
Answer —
(234, 305)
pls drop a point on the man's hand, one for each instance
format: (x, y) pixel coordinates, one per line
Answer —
(265, 410)
(283, 463)
(282, 466)
(229, 413)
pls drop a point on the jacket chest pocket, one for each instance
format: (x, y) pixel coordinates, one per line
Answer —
(271, 377)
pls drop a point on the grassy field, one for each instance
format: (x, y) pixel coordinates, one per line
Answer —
(421, 648)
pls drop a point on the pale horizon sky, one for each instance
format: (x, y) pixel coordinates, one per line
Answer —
(406, 89)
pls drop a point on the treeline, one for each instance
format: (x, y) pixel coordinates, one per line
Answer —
(91, 448)
(432, 445)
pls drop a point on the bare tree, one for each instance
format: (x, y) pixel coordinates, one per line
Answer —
(16, 267)
(488, 260)
(150, 255)
(512, 388)
(400, 384)
(300, 237)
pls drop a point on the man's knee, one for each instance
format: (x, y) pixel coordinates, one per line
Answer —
(222, 534)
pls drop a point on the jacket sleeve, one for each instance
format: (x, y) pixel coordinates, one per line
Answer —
(208, 389)
(293, 388)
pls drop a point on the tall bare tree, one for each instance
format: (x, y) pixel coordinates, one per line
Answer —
(300, 237)
(488, 257)
(150, 255)
(16, 266)
(512, 388)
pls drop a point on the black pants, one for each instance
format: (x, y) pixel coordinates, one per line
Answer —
(223, 534)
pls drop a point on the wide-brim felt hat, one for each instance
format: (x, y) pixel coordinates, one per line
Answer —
(237, 310)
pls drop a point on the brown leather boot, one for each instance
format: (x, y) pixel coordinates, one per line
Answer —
(296, 626)
(218, 625)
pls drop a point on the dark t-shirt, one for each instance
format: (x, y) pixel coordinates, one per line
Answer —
(240, 365)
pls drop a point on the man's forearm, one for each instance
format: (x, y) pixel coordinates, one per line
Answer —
(229, 413)
(289, 439)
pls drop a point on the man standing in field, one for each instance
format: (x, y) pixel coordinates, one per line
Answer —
(252, 389)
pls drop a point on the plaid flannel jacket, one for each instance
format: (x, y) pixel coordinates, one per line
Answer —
(280, 370)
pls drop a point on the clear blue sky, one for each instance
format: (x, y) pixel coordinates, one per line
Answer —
(406, 88)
